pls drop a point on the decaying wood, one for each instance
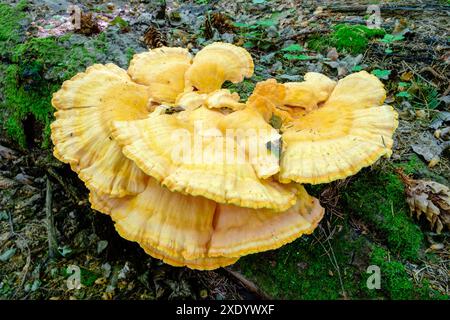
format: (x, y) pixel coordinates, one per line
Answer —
(51, 232)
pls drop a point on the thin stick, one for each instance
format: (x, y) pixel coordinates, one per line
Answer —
(51, 233)
(249, 285)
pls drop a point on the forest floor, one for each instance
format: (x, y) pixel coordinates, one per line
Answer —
(368, 221)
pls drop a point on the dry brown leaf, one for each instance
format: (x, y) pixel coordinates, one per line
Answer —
(429, 198)
(406, 76)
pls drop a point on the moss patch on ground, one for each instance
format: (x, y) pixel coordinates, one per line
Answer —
(377, 198)
(396, 283)
(307, 268)
(32, 71)
(11, 31)
(350, 38)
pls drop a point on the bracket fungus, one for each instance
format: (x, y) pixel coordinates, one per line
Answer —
(199, 178)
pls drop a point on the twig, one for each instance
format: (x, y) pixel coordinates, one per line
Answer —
(249, 285)
(433, 72)
(417, 74)
(67, 188)
(52, 243)
(332, 258)
(447, 91)
(28, 262)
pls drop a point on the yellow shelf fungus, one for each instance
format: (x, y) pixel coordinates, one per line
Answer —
(199, 178)
(332, 133)
(190, 229)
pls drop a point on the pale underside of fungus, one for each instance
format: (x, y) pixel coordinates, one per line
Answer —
(196, 176)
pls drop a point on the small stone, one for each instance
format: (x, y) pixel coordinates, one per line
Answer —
(101, 246)
(106, 267)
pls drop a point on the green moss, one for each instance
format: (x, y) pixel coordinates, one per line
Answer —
(354, 38)
(416, 168)
(351, 38)
(377, 197)
(303, 270)
(319, 43)
(130, 53)
(11, 31)
(244, 88)
(396, 283)
(395, 280)
(26, 92)
(34, 71)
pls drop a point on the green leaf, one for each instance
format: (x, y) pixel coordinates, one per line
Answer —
(258, 1)
(293, 48)
(36, 284)
(432, 99)
(64, 251)
(3, 215)
(357, 68)
(388, 51)
(120, 22)
(403, 84)
(5, 256)
(289, 56)
(389, 38)
(242, 25)
(403, 94)
(275, 121)
(381, 74)
(267, 22)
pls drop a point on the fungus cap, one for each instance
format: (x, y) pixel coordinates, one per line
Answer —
(162, 70)
(348, 131)
(310, 93)
(87, 104)
(190, 152)
(200, 233)
(215, 64)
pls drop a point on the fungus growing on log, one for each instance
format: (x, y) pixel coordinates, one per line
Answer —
(199, 178)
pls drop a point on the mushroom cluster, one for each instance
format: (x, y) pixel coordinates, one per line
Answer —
(199, 178)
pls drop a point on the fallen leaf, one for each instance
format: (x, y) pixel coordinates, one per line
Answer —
(439, 119)
(429, 198)
(381, 73)
(333, 54)
(428, 146)
(406, 76)
(6, 183)
(101, 245)
(7, 153)
(7, 254)
(436, 246)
